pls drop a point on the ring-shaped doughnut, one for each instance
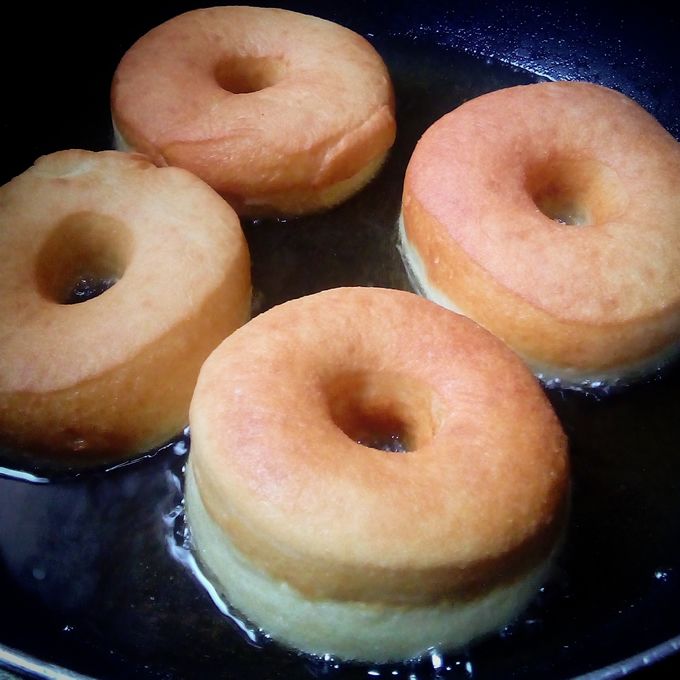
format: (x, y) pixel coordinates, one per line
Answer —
(113, 375)
(550, 214)
(334, 547)
(280, 112)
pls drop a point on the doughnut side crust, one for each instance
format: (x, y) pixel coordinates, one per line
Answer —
(473, 507)
(585, 300)
(576, 354)
(113, 375)
(348, 629)
(315, 127)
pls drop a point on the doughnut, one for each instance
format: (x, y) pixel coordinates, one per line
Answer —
(334, 546)
(280, 112)
(549, 213)
(85, 377)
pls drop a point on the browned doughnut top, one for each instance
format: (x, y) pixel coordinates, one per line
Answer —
(550, 214)
(258, 102)
(112, 375)
(477, 500)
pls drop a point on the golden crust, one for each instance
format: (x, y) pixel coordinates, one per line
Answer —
(366, 631)
(589, 297)
(478, 502)
(113, 375)
(321, 107)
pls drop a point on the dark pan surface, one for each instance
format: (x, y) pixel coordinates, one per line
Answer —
(93, 569)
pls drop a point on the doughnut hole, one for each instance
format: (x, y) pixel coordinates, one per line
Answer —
(384, 411)
(85, 255)
(243, 74)
(577, 192)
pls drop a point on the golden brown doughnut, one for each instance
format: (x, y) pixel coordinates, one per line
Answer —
(113, 375)
(550, 214)
(278, 111)
(334, 547)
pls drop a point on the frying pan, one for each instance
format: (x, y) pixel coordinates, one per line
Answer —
(94, 573)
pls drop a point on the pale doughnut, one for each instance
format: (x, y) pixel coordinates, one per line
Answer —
(113, 375)
(278, 111)
(334, 547)
(594, 297)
